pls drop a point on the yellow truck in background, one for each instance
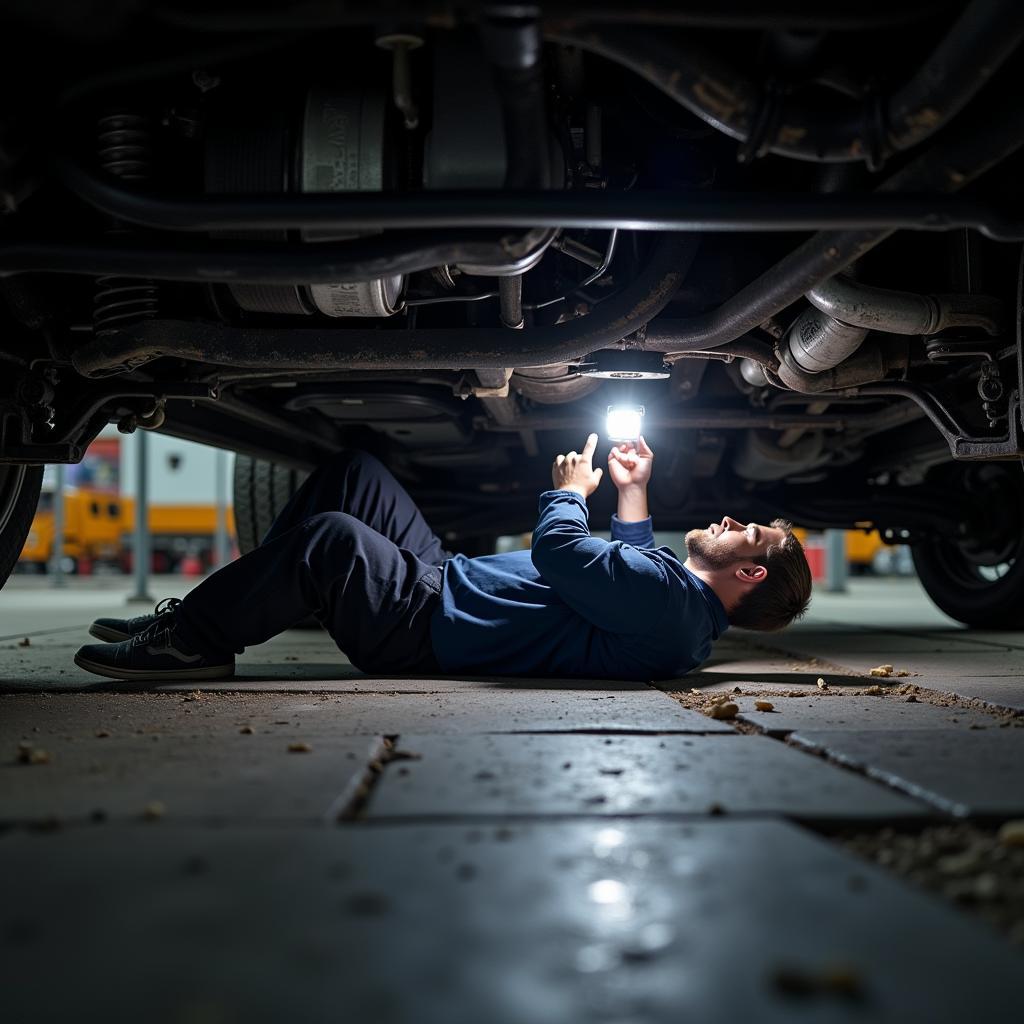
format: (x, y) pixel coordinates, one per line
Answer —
(98, 528)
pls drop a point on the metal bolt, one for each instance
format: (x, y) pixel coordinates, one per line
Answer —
(401, 44)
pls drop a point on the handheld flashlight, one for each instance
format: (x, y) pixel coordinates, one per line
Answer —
(625, 422)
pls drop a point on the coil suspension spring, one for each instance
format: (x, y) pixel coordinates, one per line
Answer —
(125, 150)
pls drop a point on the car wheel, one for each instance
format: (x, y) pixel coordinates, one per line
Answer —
(979, 579)
(19, 495)
(261, 489)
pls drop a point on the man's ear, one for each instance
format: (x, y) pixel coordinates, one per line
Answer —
(751, 573)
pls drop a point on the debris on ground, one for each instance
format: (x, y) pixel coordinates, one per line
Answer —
(975, 867)
(31, 754)
(840, 980)
(246, 730)
(1012, 833)
(822, 685)
(886, 672)
(24, 642)
(764, 705)
(874, 691)
(722, 711)
(102, 734)
(154, 810)
(299, 748)
(404, 755)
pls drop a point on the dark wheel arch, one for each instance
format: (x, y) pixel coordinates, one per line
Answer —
(19, 496)
(979, 579)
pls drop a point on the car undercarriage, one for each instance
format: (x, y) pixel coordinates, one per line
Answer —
(453, 235)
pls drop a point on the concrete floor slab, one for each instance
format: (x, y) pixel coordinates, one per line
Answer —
(226, 778)
(860, 652)
(1003, 691)
(360, 683)
(961, 772)
(373, 714)
(609, 921)
(846, 711)
(778, 682)
(572, 774)
(884, 641)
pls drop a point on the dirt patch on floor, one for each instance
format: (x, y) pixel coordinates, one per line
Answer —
(706, 701)
(978, 869)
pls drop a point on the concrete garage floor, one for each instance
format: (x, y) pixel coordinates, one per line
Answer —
(306, 843)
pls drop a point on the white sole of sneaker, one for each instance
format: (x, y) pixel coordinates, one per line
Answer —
(108, 635)
(210, 672)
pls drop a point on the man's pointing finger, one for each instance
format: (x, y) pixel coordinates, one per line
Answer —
(590, 446)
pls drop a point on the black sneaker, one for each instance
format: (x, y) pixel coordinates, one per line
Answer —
(113, 631)
(156, 653)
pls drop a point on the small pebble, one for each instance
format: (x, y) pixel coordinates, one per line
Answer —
(102, 734)
(911, 699)
(1012, 833)
(959, 863)
(881, 670)
(764, 705)
(842, 979)
(874, 691)
(154, 810)
(246, 730)
(299, 748)
(28, 754)
(822, 685)
(722, 711)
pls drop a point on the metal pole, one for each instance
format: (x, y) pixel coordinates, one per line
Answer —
(57, 578)
(141, 549)
(835, 561)
(221, 543)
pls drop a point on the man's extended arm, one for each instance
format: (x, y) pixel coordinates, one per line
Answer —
(629, 466)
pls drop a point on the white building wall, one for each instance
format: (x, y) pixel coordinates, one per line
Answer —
(180, 472)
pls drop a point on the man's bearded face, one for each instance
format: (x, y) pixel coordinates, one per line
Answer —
(707, 553)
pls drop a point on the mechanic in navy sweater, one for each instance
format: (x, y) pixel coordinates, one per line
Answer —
(351, 549)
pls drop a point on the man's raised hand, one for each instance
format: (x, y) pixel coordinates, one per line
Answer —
(575, 471)
(629, 465)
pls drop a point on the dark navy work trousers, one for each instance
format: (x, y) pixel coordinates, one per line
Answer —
(350, 548)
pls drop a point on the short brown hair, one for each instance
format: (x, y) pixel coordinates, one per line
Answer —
(786, 591)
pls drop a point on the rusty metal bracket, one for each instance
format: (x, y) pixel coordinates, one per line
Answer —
(962, 446)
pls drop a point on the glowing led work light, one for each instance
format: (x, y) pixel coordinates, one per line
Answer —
(625, 422)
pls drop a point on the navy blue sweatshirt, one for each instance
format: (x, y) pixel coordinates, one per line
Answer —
(576, 605)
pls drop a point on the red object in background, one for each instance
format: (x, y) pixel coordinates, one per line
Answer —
(191, 565)
(815, 552)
